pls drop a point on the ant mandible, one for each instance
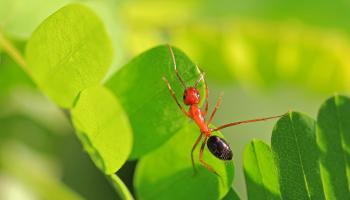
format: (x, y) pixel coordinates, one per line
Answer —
(216, 145)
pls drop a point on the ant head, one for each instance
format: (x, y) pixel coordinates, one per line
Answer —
(191, 96)
(219, 148)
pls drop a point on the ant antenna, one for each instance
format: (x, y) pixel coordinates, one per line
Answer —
(200, 78)
(177, 72)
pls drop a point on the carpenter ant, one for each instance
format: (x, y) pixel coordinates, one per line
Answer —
(216, 145)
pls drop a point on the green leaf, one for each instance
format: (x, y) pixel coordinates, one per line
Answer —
(333, 137)
(69, 52)
(260, 171)
(103, 128)
(294, 145)
(167, 172)
(121, 188)
(152, 112)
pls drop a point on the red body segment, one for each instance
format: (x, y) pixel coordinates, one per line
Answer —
(197, 116)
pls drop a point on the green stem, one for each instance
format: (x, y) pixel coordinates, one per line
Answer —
(13, 52)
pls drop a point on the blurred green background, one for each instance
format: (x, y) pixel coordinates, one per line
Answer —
(267, 56)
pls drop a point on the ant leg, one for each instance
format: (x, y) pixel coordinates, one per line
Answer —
(206, 165)
(175, 67)
(193, 148)
(174, 97)
(246, 121)
(217, 105)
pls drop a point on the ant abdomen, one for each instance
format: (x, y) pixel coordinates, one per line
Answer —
(219, 148)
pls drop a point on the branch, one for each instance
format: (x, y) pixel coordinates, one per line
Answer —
(13, 52)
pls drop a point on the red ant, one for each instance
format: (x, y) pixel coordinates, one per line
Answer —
(216, 145)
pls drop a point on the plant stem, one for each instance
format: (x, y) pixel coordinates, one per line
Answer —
(13, 52)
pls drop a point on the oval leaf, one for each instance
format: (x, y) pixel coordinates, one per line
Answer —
(294, 145)
(260, 171)
(333, 137)
(103, 128)
(153, 113)
(167, 172)
(69, 51)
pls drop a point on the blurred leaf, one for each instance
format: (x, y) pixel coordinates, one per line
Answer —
(121, 188)
(103, 128)
(231, 195)
(328, 14)
(28, 131)
(157, 12)
(261, 44)
(265, 64)
(19, 18)
(266, 54)
(260, 171)
(167, 172)
(41, 135)
(34, 171)
(334, 142)
(152, 112)
(80, 173)
(293, 142)
(69, 51)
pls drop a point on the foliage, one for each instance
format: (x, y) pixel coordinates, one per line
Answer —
(260, 171)
(310, 157)
(167, 173)
(129, 114)
(98, 116)
(333, 140)
(144, 95)
(68, 33)
(68, 77)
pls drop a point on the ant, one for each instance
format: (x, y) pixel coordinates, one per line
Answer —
(216, 145)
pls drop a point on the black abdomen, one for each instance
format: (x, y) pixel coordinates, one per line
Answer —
(219, 148)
